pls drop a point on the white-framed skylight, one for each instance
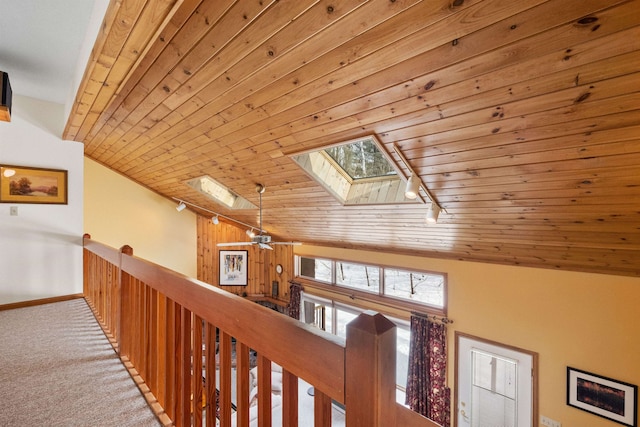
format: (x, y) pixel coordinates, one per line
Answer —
(219, 193)
(356, 172)
(361, 159)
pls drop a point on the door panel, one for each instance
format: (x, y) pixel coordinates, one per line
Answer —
(495, 384)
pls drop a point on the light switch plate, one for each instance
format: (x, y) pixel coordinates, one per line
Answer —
(548, 422)
(13, 210)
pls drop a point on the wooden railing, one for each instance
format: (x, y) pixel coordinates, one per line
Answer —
(176, 334)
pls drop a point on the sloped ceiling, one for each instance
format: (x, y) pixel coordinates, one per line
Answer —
(521, 117)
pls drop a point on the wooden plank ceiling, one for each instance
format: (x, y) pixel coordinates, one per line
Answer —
(521, 117)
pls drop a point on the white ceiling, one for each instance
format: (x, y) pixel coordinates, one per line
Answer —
(41, 42)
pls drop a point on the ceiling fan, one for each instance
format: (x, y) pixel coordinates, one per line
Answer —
(263, 240)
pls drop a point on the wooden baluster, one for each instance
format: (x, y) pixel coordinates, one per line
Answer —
(370, 371)
(210, 374)
(170, 356)
(144, 328)
(152, 354)
(183, 391)
(321, 409)
(196, 381)
(125, 307)
(137, 321)
(225, 379)
(264, 391)
(242, 384)
(289, 399)
(161, 352)
(123, 286)
(86, 269)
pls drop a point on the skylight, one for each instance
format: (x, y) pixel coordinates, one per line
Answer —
(361, 159)
(219, 193)
(356, 172)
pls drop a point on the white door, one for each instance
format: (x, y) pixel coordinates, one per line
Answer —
(494, 383)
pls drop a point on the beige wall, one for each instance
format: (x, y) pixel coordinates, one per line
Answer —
(117, 211)
(587, 321)
(41, 246)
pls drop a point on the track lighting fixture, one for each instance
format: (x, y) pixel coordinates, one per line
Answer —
(251, 233)
(215, 219)
(432, 213)
(412, 191)
(413, 187)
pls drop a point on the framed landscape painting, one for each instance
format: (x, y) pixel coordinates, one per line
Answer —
(606, 397)
(20, 184)
(233, 268)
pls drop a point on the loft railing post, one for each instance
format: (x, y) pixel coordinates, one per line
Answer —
(370, 377)
(122, 292)
(85, 266)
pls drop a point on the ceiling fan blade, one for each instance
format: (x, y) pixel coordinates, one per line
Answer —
(263, 240)
(236, 244)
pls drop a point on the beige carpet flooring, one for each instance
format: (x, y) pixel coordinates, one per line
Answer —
(57, 368)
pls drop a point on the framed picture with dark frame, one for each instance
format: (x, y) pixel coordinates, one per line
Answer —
(21, 184)
(233, 268)
(602, 396)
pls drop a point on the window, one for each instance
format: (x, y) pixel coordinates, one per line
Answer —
(219, 193)
(422, 287)
(343, 316)
(403, 335)
(361, 159)
(315, 268)
(426, 288)
(356, 172)
(333, 317)
(358, 276)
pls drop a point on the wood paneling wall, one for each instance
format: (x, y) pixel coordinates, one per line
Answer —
(262, 263)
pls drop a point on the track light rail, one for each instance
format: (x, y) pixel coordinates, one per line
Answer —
(219, 215)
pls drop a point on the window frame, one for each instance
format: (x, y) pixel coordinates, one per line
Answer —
(380, 290)
(379, 297)
(347, 190)
(334, 305)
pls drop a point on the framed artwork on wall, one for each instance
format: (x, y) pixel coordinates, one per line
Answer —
(233, 268)
(606, 397)
(20, 184)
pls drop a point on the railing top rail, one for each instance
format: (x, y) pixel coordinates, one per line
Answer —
(107, 252)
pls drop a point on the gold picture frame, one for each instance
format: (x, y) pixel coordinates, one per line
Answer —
(22, 184)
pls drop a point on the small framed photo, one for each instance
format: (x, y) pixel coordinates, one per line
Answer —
(233, 268)
(606, 397)
(19, 184)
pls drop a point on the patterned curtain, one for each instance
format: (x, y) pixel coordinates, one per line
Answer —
(427, 393)
(438, 392)
(417, 382)
(294, 300)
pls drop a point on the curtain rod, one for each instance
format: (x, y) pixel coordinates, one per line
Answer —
(434, 317)
(220, 215)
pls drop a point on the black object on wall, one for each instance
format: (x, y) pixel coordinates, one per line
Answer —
(5, 97)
